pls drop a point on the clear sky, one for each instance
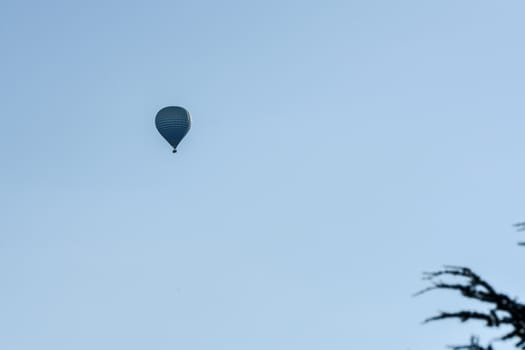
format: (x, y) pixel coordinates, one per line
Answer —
(338, 150)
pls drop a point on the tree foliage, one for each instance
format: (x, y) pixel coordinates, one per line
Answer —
(503, 311)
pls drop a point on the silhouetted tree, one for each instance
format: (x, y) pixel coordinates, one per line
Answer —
(503, 311)
(520, 226)
(474, 345)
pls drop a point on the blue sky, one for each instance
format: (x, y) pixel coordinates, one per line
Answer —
(338, 149)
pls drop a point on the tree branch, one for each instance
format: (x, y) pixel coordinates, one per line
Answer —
(503, 310)
(474, 345)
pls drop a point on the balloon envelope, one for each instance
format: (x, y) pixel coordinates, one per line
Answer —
(173, 123)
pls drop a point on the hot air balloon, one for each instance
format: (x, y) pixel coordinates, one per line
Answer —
(173, 123)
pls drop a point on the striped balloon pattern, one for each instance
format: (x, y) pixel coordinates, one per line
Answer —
(173, 123)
